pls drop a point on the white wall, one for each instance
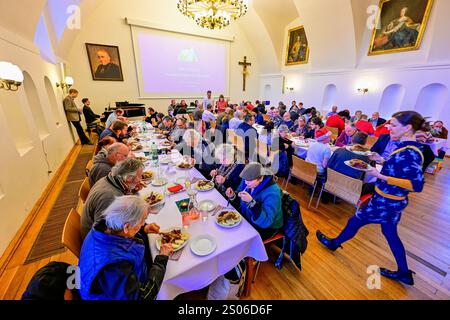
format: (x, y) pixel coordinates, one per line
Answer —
(23, 164)
(111, 29)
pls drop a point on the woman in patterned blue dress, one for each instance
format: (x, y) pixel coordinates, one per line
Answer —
(402, 173)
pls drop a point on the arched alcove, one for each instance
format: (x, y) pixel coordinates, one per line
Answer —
(35, 105)
(329, 96)
(53, 102)
(392, 100)
(431, 100)
(16, 122)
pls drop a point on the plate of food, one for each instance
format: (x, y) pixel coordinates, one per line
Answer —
(154, 199)
(147, 175)
(203, 245)
(359, 150)
(228, 219)
(166, 144)
(176, 237)
(142, 159)
(204, 185)
(185, 165)
(358, 165)
(159, 182)
(161, 136)
(207, 205)
(136, 147)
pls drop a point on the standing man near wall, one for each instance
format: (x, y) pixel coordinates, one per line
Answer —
(73, 115)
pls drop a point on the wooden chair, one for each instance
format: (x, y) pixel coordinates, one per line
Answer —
(334, 132)
(344, 187)
(88, 167)
(71, 236)
(231, 137)
(371, 140)
(305, 171)
(263, 149)
(84, 190)
(240, 146)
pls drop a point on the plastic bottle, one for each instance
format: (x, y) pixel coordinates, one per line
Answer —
(154, 153)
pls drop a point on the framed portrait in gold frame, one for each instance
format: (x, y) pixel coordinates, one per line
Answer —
(297, 47)
(400, 26)
(104, 62)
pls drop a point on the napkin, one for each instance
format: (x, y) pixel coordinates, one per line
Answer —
(176, 188)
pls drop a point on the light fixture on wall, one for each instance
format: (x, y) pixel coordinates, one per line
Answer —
(363, 90)
(212, 14)
(11, 77)
(289, 89)
(66, 84)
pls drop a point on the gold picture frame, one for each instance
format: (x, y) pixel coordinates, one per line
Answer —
(104, 62)
(297, 51)
(402, 25)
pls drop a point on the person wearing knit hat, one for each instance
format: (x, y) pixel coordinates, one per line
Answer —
(319, 153)
(259, 199)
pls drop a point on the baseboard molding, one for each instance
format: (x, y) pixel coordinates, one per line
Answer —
(15, 243)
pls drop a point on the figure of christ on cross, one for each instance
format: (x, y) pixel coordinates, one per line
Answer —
(244, 64)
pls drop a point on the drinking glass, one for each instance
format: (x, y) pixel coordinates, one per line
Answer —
(186, 220)
(204, 214)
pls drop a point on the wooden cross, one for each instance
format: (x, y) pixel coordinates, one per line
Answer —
(244, 64)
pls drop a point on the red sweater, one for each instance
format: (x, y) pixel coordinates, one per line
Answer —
(365, 126)
(336, 122)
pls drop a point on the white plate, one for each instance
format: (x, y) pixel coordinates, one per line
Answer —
(365, 170)
(203, 190)
(158, 240)
(159, 182)
(203, 245)
(160, 203)
(207, 205)
(363, 153)
(228, 225)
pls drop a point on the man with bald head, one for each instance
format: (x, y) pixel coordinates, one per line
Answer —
(107, 69)
(103, 164)
(376, 121)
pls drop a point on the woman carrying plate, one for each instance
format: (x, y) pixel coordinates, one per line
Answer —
(402, 173)
(227, 175)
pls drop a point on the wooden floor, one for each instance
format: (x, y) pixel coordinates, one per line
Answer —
(424, 229)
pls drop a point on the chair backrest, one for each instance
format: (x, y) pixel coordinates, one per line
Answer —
(371, 140)
(84, 190)
(89, 167)
(266, 117)
(71, 236)
(334, 132)
(262, 149)
(344, 187)
(304, 170)
(232, 137)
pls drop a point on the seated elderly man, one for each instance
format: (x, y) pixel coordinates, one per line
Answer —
(199, 150)
(113, 117)
(102, 164)
(287, 121)
(236, 121)
(341, 155)
(115, 263)
(124, 179)
(168, 125)
(118, 131)
(249, 134)
(177, 135)
(259, 198)
(346, 136)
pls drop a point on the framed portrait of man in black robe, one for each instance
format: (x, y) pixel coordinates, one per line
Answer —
(104, 61)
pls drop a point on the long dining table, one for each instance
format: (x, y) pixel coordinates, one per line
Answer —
(192, 272)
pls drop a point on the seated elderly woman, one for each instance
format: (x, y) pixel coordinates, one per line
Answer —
(202, 153)
(300, 128)
(227, 175)
(345, 138)
(259, 199)
(113, 264)
(282, 147)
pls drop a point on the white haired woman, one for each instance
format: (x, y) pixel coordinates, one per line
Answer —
(112, 260)
(227, 175)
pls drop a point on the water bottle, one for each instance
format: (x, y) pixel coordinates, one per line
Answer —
(154, 151)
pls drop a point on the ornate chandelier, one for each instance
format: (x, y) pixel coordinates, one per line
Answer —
(213, 14)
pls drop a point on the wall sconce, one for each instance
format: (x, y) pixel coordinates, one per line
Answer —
(11, 77)
(290, 89)
(363, 90)
(66, 84)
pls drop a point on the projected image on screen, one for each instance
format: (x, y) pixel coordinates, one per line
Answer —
(181, 66)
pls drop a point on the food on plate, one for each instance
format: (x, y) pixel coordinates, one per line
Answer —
(143, 159)
(166, 144)
(135, 147)
(184, 165)
(175, 237)
(205, 185)
(228, 218)
(160, 136)
(147, 175)
(359, 164)
(154, 198)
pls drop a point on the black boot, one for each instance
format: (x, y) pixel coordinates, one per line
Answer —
(327, 242)
(404, 277)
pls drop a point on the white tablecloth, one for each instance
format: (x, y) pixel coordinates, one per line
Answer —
(192, 272)
(437, 145)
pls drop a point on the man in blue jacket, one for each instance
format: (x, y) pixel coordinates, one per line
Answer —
(259, 200)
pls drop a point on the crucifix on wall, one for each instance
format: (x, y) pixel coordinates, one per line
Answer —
(244, 65)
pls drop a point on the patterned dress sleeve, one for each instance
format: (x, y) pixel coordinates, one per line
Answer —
(409, 173)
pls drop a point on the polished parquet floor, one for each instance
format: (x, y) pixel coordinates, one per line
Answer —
(424, 229)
